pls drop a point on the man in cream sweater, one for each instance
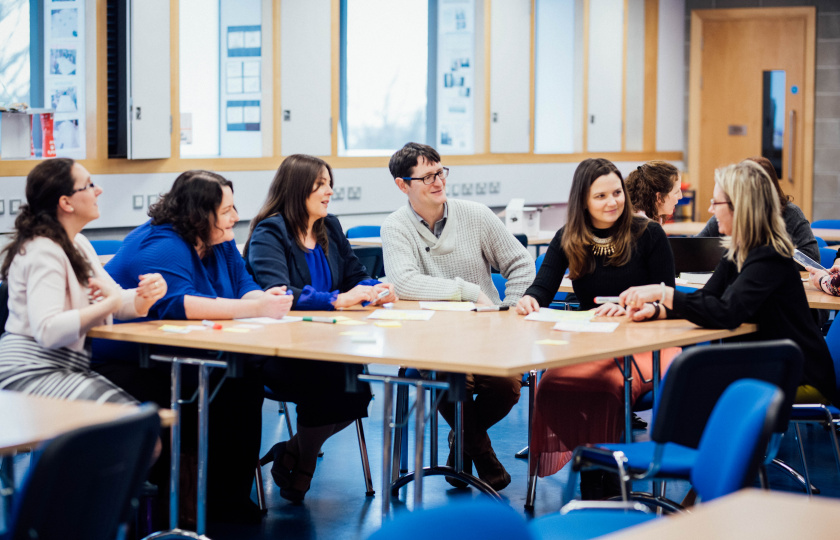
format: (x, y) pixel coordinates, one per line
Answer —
(436, 249)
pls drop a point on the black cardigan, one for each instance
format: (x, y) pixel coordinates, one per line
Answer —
(274, 258)
(768, 291)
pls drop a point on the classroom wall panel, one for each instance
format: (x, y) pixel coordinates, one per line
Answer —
(510, 76)
(670, 84)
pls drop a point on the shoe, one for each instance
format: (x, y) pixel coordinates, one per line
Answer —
(299, 486)
(638, 423)
(491, 470)
(284, 462)
(450, 462)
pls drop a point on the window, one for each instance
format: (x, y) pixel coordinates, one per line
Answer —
(223, 94)
(397, 84)
(43, 64)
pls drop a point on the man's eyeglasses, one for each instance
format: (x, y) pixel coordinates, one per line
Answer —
(430, 178)
(90, 185)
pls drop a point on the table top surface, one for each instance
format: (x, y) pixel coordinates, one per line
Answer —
(542, 239)
(683, 228)
(489, 343)
(829, 235)
(27, 420)
(749, 513)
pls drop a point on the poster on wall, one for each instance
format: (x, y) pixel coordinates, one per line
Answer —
(64, 73)
(456, 77)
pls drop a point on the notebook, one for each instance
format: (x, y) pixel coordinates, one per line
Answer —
(693, 254)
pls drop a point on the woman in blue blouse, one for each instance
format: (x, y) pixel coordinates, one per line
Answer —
(189, 239)
(294, 243)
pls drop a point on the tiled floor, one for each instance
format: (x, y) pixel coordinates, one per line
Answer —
(337, 508)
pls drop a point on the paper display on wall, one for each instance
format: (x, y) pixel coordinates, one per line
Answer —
(456, 77)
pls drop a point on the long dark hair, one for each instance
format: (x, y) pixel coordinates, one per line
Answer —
(45, 185)
(577, 237)
(292, 185)
(768, 167)
(191, 205)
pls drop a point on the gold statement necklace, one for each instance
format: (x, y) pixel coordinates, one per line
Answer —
(602, 246)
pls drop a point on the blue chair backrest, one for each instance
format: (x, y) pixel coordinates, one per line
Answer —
(473, 519)
(106, 247)
(827, 256)
(832, 339)
(501, 284)
(820, 242)
(363, 231)
(539, 261)
(735, 438)
(826, 224)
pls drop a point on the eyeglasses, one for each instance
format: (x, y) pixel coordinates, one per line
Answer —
(715, 203)
(90, 185)
(430, 178)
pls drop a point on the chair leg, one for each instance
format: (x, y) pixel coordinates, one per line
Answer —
(284, 407)
(360, 434)
(259, 485)
(533, 377)
(804, 461)
(531, 491)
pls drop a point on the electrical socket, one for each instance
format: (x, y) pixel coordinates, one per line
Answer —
(14, 206)
(481, 188)
(466, 189)
(137, 202)
(338, 194)
(454, 189)
(354, 193)
(151, 199)
(494, 187)
(2, 207)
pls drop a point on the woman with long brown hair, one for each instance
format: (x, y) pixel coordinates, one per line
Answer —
(654, 189)
(295, 243)
(606, 249)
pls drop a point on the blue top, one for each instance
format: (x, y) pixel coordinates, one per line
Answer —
(315, 278)
(158, 248)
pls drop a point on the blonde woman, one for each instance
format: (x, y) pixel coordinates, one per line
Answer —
(757, 281)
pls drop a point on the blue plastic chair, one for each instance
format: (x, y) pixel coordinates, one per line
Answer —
(730, 451)
(363, 231)
(820, 242)
(826, 224)
(501, 284)
(683, 411)
(827, 256)
(478, 519)
(560, 296)
(106, 247)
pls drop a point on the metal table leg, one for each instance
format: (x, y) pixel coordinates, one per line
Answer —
(628, 408)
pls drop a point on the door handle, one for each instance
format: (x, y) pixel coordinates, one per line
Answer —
(791, 144)
(137, 113)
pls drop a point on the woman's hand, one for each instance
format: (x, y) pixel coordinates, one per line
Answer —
(647, 311)
(526, 305)
(636, 297)
(609, 310)
(816, 275)
(377, 290)
(275, 303)
(150, 289)
(355, 296)
(102, 292)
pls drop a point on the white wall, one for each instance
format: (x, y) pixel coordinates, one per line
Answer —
(670, 84)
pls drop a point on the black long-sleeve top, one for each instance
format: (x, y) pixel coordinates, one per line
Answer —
(651, 262)
(767, 291)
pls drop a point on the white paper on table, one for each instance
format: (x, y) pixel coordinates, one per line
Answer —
(402, 314)
(448, 306)
(566, 282)
(572, 326)
(269, 320)
(556, 315)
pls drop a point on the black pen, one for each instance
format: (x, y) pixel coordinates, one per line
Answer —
(490, 308)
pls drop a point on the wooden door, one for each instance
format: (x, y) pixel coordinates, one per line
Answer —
(731, 49)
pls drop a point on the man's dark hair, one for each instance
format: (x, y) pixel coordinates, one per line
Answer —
(407, 157)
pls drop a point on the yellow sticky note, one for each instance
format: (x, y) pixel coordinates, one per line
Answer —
(551, 342)
(388, 324)
(350, 322)
(174, 329)
(233, 329)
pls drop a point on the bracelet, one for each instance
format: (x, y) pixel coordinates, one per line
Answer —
(822, 283)
(657, 309)
(664, 289)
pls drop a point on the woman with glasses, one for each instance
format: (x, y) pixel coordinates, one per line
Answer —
(606, 249)
(295, 243)
(58, 290)
(757, 281)
(796, 224)
(654, 189)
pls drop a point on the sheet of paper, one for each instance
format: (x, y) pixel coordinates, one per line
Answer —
(571, 326)
(269, 320)
(174, 329)
(351, 322)
(388, 324)
(249, 326)
(448, 306)
(557, 315)
(236, 330)
(402, 314)
(196, 327)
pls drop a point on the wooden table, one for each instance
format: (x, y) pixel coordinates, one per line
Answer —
(489, 343)
(749, 513)
(829, 235)
(683, 228)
